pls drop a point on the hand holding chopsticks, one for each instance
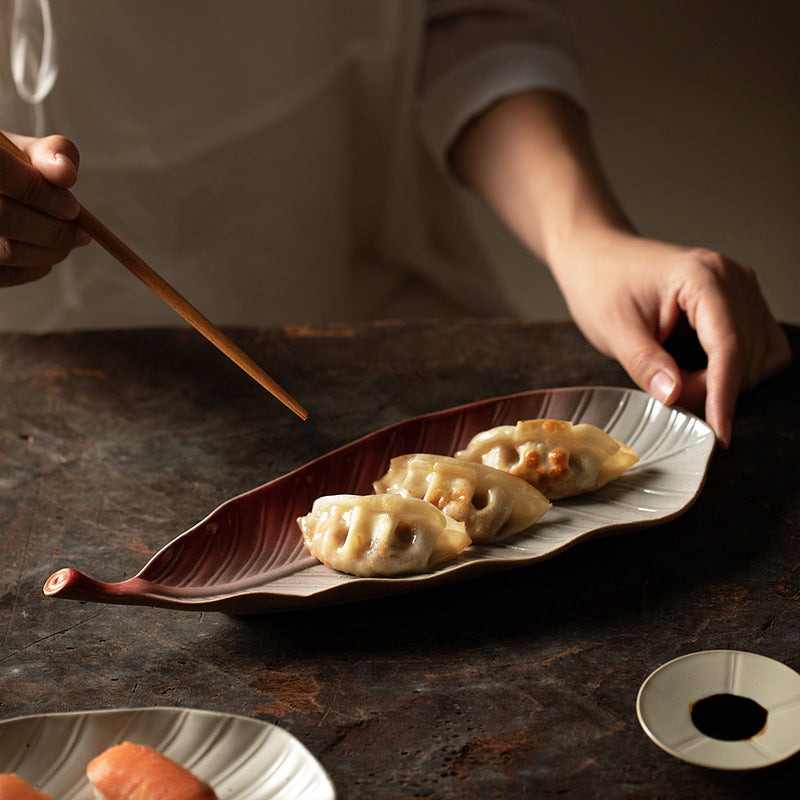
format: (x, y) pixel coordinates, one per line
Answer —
(129, 259)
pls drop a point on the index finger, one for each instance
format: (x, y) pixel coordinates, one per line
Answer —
(723, 375)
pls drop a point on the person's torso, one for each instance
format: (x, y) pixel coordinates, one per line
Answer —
(248, 156)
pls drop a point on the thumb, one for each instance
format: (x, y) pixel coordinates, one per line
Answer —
(56, 158)
(650, 366)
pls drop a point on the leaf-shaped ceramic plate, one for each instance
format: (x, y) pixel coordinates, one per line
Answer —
(238, 756)
(247, 556)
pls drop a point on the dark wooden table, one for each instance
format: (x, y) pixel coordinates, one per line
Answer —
(518, 684)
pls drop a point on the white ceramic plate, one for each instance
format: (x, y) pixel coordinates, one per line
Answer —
(666, 699)
(248, 556)
(240, 757)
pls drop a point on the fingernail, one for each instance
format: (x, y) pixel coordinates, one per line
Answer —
(662, 386)
(64, 206)
(62, 158)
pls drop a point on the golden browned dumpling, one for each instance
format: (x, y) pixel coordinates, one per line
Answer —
(380, 535)
(491, 503)
(558, 458)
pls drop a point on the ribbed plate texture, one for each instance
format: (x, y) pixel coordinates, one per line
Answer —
(247, 556)
(240, 757)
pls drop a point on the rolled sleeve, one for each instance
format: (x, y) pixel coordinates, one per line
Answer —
(478, 53)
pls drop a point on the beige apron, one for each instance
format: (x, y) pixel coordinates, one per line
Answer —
(275, 161)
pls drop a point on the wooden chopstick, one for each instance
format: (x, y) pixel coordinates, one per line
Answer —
(129, 259)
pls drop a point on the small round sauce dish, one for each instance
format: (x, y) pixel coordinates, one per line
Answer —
(724, 709)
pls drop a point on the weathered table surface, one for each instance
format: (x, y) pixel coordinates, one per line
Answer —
(519, 684)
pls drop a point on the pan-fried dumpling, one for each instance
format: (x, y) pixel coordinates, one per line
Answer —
(558, 458)
(380, 535)
(492, 504)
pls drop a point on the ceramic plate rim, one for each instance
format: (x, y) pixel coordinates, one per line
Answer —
(88, 715)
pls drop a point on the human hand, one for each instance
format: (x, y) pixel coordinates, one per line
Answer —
(37, 212)
(531, 156)
(629, 294)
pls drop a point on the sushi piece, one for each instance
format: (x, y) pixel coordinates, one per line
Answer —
(14, 788)
(130, 771)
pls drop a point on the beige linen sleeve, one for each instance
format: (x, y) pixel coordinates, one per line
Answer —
(480, 51)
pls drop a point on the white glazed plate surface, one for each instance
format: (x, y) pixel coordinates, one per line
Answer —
(248, 555)
(240, 757)
(666, 698)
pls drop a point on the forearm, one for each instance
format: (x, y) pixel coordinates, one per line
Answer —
(531, 158)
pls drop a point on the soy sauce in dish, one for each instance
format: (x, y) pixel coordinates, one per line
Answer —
(728, 717)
